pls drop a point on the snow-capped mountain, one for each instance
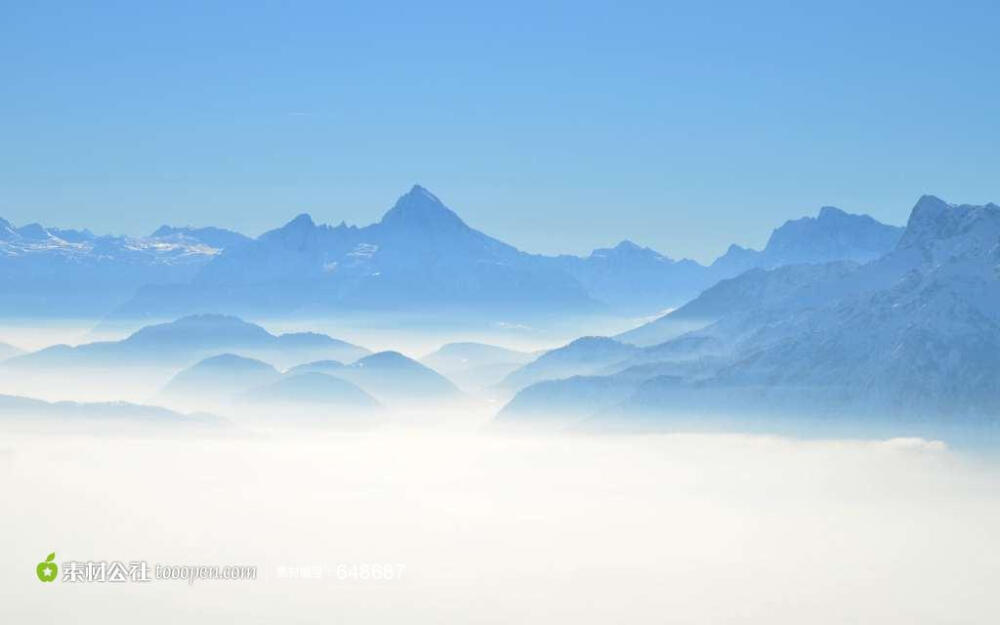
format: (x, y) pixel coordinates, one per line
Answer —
(752, 291)
(805, 261)
(58, 272)
(919, 331)
(912, 335)
(218, 238)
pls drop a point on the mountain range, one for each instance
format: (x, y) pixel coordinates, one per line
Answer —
(390, 377)
(232, 385)
(420, 257)
(911, 335)
(310, 394)
(188, 339)
(52, 272)
(116, 417)
(832, 235)
(223, 365)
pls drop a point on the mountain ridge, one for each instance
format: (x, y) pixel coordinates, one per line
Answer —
(422, 256)
(912, 335)
(419, 256)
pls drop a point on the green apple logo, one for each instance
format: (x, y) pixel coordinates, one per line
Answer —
(47, 570)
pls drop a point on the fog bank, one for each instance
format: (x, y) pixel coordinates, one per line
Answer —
(507, 529)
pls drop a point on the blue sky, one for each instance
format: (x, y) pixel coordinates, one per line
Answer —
(557, 128)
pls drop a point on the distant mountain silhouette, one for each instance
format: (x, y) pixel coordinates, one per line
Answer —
(832, 235)
(216, 380)
(635, 280)
(475, 365)
(319, 366)
(116, 415)
(394, 378)
(584, 356)
(312, 392)
(189, 339)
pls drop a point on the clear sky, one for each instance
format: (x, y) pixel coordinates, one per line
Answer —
(557, 128)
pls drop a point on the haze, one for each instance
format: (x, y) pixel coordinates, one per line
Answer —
(494, 528)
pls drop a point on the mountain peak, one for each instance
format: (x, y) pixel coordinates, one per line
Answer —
(419, 208)
(295, 233)
(736, 259)
(35, 232)
(628, 248)
(301, 221)
(930, 202)
(971, 229)
(927, 212)
(827, 212)
(206, 329)
(627, 245)
(219, 238)
(387, 359)
(233, 362)
(928, 207)
(832, 235)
